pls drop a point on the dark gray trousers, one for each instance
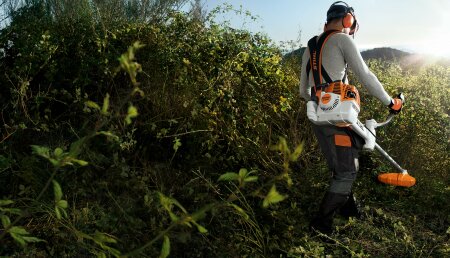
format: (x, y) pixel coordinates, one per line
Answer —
(340, 146)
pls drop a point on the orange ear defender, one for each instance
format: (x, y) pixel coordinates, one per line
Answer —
(348, 20)
(342, 10)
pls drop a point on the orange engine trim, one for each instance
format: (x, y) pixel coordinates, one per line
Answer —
(344, 90)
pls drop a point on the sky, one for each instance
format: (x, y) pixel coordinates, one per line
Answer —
(421, 26)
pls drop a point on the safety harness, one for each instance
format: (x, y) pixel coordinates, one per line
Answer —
(315, 46)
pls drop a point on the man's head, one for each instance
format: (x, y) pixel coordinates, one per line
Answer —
(341, 13)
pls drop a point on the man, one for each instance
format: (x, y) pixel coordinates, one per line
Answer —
(339, 145)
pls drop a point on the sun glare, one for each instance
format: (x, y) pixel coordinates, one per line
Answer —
(438, 45)
(436, 42)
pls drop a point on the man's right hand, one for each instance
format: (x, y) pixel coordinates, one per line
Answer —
(396, 104)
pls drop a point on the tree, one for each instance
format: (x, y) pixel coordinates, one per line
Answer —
(198, 11)
(105, 11)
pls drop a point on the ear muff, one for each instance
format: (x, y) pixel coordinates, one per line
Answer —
(342, 10)
(354, 27)
(348, 20)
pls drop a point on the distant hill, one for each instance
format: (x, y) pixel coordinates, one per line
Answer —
(385, 53)
(409, 61)
(405, 59)
(296, 54)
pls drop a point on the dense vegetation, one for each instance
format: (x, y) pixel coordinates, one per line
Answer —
(127, 136)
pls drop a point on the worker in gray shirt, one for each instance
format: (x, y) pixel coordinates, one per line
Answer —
(332, 52)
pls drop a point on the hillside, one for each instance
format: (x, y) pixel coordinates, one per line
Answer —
(385, 53)
(407, 60)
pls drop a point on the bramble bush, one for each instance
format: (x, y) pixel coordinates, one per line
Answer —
(133, 124)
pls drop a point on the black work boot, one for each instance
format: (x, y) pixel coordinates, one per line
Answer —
(323, 222)
(351, 208)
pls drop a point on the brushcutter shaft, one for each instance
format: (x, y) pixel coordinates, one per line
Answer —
(382, 152)
(369, 136)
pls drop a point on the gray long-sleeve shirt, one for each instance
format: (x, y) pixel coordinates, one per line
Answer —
(339, 49)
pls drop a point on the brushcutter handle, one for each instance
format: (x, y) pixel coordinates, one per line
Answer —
(396, 104)
(401, 97)
(388, 120)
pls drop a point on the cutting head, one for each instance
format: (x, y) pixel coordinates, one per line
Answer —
(397, 179)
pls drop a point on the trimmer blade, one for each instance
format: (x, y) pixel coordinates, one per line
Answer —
(397, 179)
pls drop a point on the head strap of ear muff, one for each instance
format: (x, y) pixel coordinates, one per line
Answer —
(340, 9)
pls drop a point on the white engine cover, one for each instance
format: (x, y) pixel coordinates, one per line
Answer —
(332, 110)
(335, 111)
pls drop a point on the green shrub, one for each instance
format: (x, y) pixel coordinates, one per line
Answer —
(128, 136)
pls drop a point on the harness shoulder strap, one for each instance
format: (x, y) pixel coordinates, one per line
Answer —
(315, 61)
(345, 72)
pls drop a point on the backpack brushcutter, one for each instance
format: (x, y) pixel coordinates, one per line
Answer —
(337, 108)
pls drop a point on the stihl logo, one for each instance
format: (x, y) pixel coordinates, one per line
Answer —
(314, 60)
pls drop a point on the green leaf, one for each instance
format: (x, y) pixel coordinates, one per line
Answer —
(76, 147)
(22, 236)
(80, 162)
(19, 238)
(165, 249)
(379, 211)
(29, 239)
(62, 204)
(167, 203)
(172, 216)
(114, 252)
(60, 209)
(200, 228)
(11, 210)
(251, 179)
(54, 162)
(105, 106)
(5, 221)
(108, 134)
(6, 202)
(57, 191)
(178, 205)
(41, 151)
(58, 212)
(58, 152)
(240, 210)
(132, 113)
(201, 213)
(18, 230)
(82, 235)
(186, 61)
(101, 255)
(273, 197)
(230, 176)
(281, 146)
(176, 144)
(104, 238)
(138, 91)
(92, 104)
(243, 172)
(297, 152)
(137, 45)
